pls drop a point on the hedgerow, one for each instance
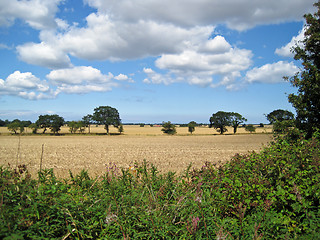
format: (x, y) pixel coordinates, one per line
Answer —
(273, 194)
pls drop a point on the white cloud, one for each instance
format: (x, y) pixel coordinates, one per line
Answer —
(203, 64)
(43, 54)
(25, 85)
(108, 39)
(271, 73)
(239, 15)
(78, 75)
(81, 80)
(286, 51)
(122, 30)
(123, 78)
(38, 14)
(156, 78)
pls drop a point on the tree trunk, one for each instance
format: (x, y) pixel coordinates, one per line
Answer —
(107, 128)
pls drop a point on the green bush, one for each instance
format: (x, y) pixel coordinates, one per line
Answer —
(250, 128)
(273, 194)
(168, 128)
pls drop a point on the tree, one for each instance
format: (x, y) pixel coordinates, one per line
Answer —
(106, 115)
(54, 122)
(34, 127)
(87, 120)
(2, 123)
(250, 128)
(15, 126)
(191, 126)
(120, 129)
(73, 126)
(279, 116)
(307, 100)
(44, 122)
(236, 119)
(282, 120)
(168, 128)
(220, 120)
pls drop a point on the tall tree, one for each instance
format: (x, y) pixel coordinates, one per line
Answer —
(279, 116)
(106, 115)
(307, 100)
(43, 122)
(14, 126)
(220, 120)
(236, 119)
(87, 120)
(54, 122)
(191, 126)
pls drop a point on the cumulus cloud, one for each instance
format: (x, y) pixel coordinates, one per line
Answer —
(81, 80)
(74, 80)
(286, 51)
(239, 15)
(25, 85)
(208, 64)
(43, 54)
(122, 30)
(271, 73)
(38, 14)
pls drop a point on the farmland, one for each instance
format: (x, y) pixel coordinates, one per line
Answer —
(94, 152)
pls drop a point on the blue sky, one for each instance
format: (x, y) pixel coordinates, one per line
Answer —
(177, 60)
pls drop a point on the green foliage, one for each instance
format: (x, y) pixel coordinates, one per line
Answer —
(282, 126)
(168, 128)
(120, 129)
(87, 121)
(15, 127)
(220, 120)
(191, 126)
(236, 119)
(106, 115)
(34, 127)
(307, 100)
(250, 128)
(75, 126)
(279, 116)
(53, 122)
(273, 194)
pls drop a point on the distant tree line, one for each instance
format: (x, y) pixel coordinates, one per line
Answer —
(109, 116)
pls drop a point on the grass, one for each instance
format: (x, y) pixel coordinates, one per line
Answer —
(273, 194)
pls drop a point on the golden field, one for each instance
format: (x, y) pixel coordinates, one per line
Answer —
(95, 152)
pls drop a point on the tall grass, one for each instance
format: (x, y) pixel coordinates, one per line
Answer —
(273, 194)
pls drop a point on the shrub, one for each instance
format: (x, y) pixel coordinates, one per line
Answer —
(250, 128)
(168, 128)
(273, 194)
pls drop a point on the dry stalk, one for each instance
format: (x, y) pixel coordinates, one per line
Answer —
(41, 157)
(18, 153)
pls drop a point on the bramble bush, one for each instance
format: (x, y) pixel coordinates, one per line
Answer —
(273, 194)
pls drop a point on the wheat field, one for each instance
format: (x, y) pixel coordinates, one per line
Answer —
(95, 152)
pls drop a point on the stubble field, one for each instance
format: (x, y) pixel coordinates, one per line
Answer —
(95, 152)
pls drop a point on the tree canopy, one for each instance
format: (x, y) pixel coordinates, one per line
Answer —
(106, 115)
(53, 122)
(220, 120)
(279, 115)
(307, 100)
(236, 119)
(168, 128)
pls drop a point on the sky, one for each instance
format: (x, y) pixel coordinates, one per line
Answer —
(152, 60)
